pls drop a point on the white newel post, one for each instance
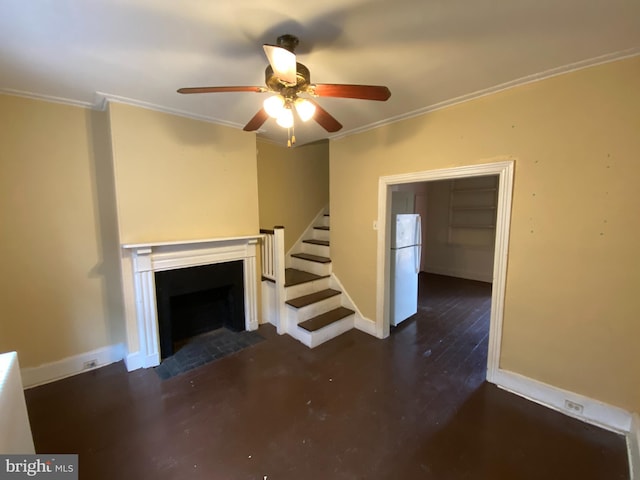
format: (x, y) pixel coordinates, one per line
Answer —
(149, 258)
(279, 269)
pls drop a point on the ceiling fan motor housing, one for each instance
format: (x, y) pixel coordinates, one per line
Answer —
(275, 84)
(287, 41)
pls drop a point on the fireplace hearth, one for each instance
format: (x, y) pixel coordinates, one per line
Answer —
(196, 300)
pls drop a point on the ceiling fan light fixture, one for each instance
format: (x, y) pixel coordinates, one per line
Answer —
(283, 63)
(286, 79)
(274, 105)
(305, 109)
(285, 119)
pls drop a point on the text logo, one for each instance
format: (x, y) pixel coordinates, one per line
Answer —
(51, 467)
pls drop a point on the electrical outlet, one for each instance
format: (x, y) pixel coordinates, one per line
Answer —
(573, 407)
(90, 364)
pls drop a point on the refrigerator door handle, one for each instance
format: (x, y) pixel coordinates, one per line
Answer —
(418, 242)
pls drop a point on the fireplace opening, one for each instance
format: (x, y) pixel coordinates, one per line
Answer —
(195, 300)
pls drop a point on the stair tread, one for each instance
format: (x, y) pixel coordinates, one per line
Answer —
(314, 241)
(311, 298)
(316, 323)
(321, 227)
(293, 276)
(312, 258)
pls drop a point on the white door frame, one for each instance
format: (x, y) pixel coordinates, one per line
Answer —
(504, 170)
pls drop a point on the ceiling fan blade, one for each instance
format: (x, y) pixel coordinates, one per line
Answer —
(363, 92)
(256, 122)
(325, 119)
(283, 63)
(221, 89)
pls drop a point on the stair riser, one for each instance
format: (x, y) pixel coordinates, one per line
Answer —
(312, 267)
(320, 250)
(321, 234)
(330, 331)
(296, 291)
(324, 221)
(305, 313)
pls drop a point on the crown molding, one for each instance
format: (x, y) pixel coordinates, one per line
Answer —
(46, 98)
(536, 77)
(103, 99)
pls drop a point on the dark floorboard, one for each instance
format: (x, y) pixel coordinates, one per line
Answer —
(412, 406)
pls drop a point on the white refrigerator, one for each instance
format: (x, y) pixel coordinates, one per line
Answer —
(406, 249)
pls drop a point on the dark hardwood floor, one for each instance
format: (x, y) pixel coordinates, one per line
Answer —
(412, 406)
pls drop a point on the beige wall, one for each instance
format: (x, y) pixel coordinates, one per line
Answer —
(293, 186)
(59, 290)
(572, 303)
(181, 179)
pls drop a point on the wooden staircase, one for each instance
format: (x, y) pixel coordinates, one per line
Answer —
(314, 311)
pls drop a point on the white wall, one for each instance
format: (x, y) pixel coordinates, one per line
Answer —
(439, 255)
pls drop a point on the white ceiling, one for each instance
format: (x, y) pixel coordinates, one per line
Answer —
(428, 52)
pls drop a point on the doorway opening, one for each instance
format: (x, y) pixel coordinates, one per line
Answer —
(458, 231)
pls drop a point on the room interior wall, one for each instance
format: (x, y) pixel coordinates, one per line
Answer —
(59, 289)
(181, 179)
(293, 186)
(444, 257)
(570, 317)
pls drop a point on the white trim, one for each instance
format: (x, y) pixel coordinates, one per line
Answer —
(46, 98)
(307, 233)
(134, 361)
(533, 78)
(360, 321)
(459, 273)
(504, 169)
(103, 99)
(365, 325)
(50, 372)
(594, 412)
(178, 243)
(633, 445)
(148, 258)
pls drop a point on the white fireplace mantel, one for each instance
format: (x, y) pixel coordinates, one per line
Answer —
(147, 258)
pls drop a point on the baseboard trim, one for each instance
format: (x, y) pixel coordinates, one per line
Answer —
(133, 361)
(633, 445)
(67, 367)
(136, 360)
(458, 273)
(593, 412)
(365, 325)
(360, 322)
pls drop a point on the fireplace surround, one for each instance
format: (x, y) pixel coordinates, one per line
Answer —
(142, 261)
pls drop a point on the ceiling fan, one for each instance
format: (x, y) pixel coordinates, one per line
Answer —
(287, 79)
